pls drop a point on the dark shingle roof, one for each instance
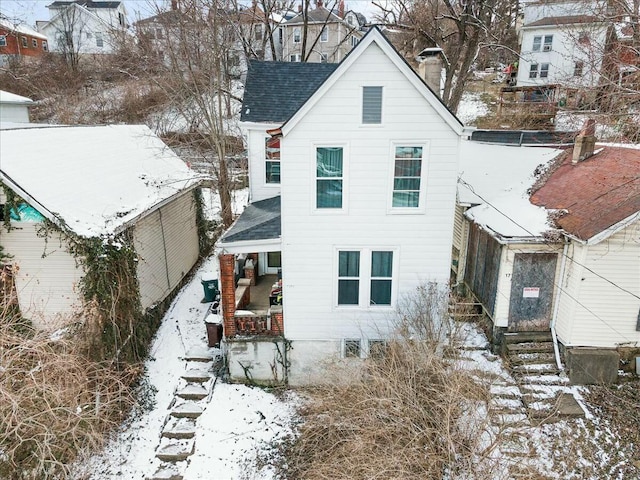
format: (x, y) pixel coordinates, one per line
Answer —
(274, 91)
(566, 20)
(259, 221)
(317, 15)
(86, 3)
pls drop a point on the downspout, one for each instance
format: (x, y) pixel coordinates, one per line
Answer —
(556, 308)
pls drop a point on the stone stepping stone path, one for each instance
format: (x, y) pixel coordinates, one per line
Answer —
(177, 440)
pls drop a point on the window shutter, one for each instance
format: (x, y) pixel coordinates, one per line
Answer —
(371, 104)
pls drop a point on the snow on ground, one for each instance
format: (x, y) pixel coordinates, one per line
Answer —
(471, 107)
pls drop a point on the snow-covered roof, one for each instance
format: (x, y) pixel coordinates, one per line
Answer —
(496, 179)
(8, 97)
(20, 28)
(96, 179)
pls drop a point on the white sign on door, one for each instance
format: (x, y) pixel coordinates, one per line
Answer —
(531, 292)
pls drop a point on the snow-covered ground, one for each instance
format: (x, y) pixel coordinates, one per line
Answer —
(471, 107)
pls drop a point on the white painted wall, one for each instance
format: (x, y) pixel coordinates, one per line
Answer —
(593, 312)
(566, 50)
(421, 241)
(14, 112)
(256, 134)
(167, 243)
(535, 9)
(46, 276)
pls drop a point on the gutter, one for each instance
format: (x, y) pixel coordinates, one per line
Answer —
(556, 308)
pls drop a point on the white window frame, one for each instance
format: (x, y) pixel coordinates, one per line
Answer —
(266, 159)
(3, 40)
(345, 179)
(346, 342)
(324, 57)
(324, 35)
(354, 41)
(45, 46)
(537, 43)
(296, 57)
(578, 68)
(364, 292)
(424, 177)
(24, 42)
(34, 43)
(99, 40)
(544, 70)
(297, 35)
(547, 46)
(533, 72)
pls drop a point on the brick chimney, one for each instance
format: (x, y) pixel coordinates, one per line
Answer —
(430, 64)
(341, 9)
(174, 4)
(585, 142)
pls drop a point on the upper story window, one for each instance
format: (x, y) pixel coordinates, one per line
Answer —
(537, 42)
(99, 40)
(159, 33)
(407, 177)
(348, 278)
(354, 40)
(24, 42)
(365, 277)
(324, 35)
(329, 177)
(324, 58)
(539, 69)
(45, 45)
(584, 38)
(258, 31)
(548, 42)
(295, 57)
(371, 105)
(351, 20)
(34, 43)
(578, 68)
(533, 70)
(3, 40)
(272, 165)
(296, 35)
(381, 278)
(544, 70)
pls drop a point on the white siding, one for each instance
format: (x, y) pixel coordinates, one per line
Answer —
(11, 112)
(259, 189)
(601, 314)
(167, 244)
(503, 297)
(422, 241)
(46, 276)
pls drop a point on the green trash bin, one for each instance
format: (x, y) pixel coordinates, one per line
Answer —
(210, 286)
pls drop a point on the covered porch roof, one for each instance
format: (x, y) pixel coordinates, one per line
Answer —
(256, 229)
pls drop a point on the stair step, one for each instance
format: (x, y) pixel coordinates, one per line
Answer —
(195, 375)
(176, 450)
(521, 337)
(529, 347)
(199, 354)
(193, 392)
(186, 410)
(532, 358)
(167, 472)
(543, 379)
(180, 428)
(535, 369)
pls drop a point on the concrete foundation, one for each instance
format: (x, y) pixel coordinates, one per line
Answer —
(256, 360)
(592, 366)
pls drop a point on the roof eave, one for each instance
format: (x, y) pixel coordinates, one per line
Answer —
(251, 246)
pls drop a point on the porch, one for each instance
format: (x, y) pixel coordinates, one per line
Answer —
(258, 309)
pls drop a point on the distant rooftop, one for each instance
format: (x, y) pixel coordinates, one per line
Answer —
(85, 3)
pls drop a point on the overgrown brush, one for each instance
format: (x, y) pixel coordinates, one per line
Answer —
(411, 414)
(54, 402)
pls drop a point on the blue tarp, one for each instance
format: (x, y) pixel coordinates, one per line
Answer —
(25, 213)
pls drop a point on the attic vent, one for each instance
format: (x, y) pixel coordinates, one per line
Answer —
(371, 104)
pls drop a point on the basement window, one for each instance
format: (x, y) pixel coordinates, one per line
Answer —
(377, 348)
(352, 348)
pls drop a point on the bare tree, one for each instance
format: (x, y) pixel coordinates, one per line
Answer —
(462, 28)
(68, 36)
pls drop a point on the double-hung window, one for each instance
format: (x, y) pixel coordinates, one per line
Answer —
(537, 42)
(371, 105)
(548, 42)
(578, 68)
(329, 177)
(348, 278)
(99, 40)
(381, 277)
(3, 40)
(407, 176)
(533, 70)
(296, 35)
(324, 35)
(544, 70)
(272, 164)
(365, 278)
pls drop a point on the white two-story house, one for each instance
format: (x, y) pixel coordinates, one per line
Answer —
(353, 171)
(85, 26)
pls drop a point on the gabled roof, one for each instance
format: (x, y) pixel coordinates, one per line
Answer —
(275, 90)
(374, 35)
(259, 221)
(317, 15)
(564, 20)
(19, 28)
(164, 18)
(96, 180)
(595, 194)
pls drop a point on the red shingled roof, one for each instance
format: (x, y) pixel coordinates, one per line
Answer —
(596, 193)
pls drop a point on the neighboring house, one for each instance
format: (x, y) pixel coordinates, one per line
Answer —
(562, 43)
(565, 259)
(96, 181)
(366, 158)
(154, 33)
(329, 35)
(85, 26)
(19, 42)
(14, 108)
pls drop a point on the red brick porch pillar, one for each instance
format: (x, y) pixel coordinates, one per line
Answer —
(277, 320)
(228, 293)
